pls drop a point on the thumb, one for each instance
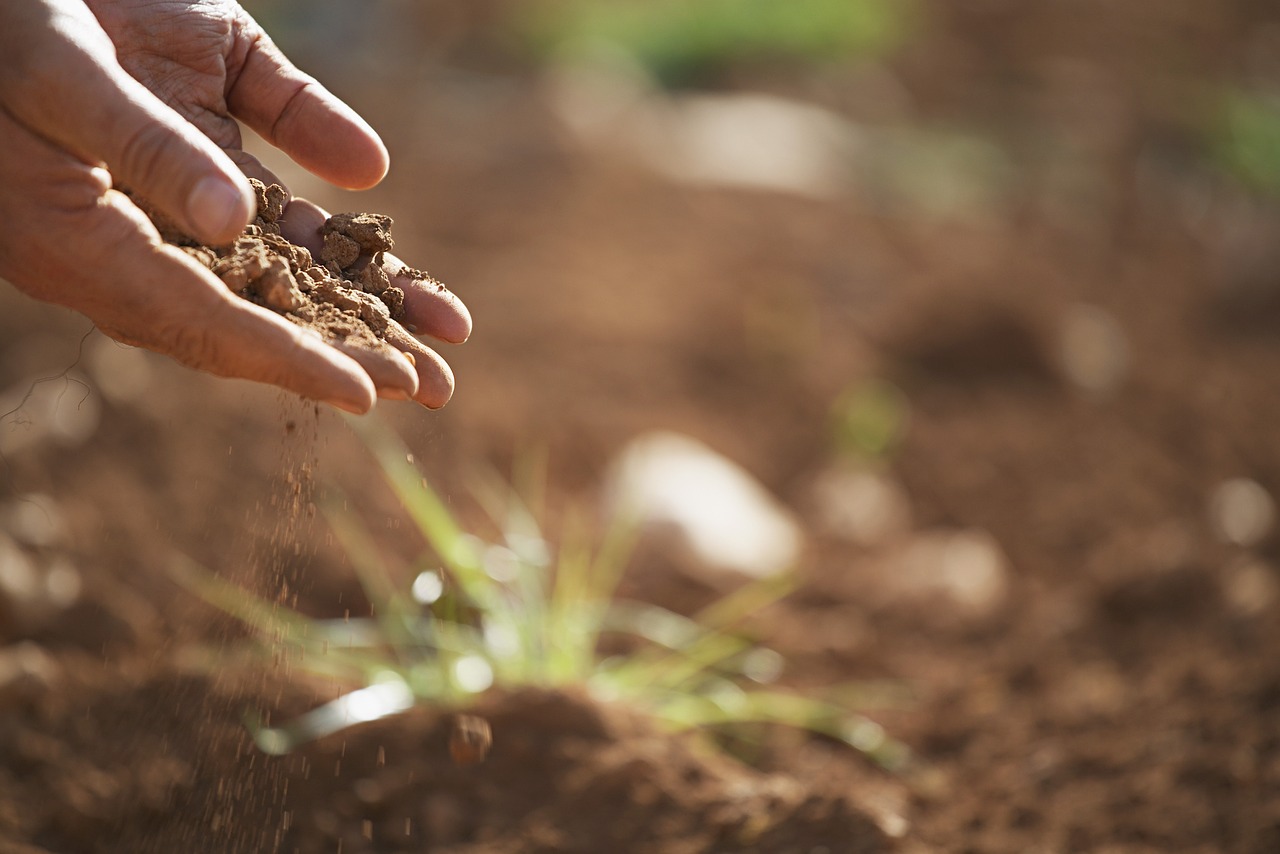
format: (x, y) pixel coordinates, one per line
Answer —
(63, 82)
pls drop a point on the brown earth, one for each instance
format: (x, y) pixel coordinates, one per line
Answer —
(344, 295)
(1121, 693)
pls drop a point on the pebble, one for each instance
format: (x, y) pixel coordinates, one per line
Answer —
(709, 507)
(1241, 511)
(26, 671)
(34, 520)
(862, 507)
(1251, 588)
(1093, 349)
(965, 570)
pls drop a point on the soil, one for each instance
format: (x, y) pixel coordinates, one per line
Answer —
(1115, 688)
(344, 295)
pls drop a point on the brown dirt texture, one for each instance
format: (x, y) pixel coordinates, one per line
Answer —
(1098, 669)
(344, 295)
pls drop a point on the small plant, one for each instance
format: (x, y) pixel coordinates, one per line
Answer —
(511, 614)
(868, 420)
(1246, 141)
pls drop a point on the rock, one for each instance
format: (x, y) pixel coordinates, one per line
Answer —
(33, 589)
(862, 507)
(964, 571)
(21, 587)
(1241, 511)
(1251, 588)
(34, 520)
(1093, 349)
(707, 506)
(26, 672)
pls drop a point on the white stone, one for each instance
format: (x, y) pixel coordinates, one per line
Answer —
(20, 581)
(863, 507)
(1251, 588)
(25, 666)
(752, 141)
(1093, 349)
(1241, 511)
(34, 519)
(721, 515)
(964, 568)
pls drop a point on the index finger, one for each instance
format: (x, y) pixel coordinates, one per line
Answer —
(293, 112)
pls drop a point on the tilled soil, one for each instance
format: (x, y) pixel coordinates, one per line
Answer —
(1118, 689)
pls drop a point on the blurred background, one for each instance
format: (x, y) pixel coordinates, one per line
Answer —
(981, 298)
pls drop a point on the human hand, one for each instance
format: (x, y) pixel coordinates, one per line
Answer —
(144, 96)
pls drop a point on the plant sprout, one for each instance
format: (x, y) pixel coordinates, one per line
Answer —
(869, 419)
(1247, 140)
(514, 613)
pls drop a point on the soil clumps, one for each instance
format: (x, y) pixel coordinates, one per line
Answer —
(345, 294)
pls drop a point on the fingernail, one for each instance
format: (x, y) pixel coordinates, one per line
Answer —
(216, 206)
(412, 360)
(393, 394)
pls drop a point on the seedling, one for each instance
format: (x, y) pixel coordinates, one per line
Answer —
(1246, 141)
(513, 613)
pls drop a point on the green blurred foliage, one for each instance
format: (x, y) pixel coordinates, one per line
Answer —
(683, 41)
(1247, 142)
(868, 420)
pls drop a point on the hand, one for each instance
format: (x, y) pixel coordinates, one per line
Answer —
(143, 96)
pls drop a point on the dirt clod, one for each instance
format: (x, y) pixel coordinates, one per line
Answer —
(345, 295)
(470, 740)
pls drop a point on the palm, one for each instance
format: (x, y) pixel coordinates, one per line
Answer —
(154, 90)
(189, 55)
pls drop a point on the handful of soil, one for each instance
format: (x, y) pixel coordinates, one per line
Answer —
(345, 295)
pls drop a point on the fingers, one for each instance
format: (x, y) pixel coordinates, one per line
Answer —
(301, 223)
(61, 80)
(392, 374)
(435, 377)
(165, 301)
(71, 240)
(430, 308)
(296, 114)
(252, 168)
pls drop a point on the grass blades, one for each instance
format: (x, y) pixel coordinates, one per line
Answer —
(514, 613)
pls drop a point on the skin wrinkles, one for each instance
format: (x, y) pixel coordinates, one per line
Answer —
(152, 89)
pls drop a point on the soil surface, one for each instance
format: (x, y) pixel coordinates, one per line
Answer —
(1098, 668)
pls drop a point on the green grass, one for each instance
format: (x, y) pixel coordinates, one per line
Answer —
(681, 41)
(868, 420)
(1246, 140)
(514, 612)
